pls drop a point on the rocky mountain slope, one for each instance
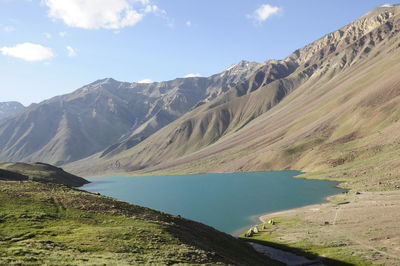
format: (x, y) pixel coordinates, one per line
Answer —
(330, 106)
(73, 126)
(8, 109)
(323, 108)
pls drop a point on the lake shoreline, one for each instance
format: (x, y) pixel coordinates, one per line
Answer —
(352, 221)
(135, 174)
(265, 217)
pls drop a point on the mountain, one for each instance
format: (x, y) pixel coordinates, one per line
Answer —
(332, 107)
(73, 126)
(8, 109)
(319, 109)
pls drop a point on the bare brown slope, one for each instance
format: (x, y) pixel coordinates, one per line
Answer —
(335, 77)
(73, 126)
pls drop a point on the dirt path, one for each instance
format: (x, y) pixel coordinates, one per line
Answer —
(336, 215)
(360, 241)
(365, 245)
(285, 257)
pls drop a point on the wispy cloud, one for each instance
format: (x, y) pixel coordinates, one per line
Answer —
(188, 23)
(8, 28)
(263, 13)
(71, 51)
(30, 52)
(159, 13)
(47, 35)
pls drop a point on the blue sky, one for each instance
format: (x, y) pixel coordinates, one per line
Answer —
(52, 47)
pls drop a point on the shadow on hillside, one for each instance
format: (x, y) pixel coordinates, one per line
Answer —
(299, 252)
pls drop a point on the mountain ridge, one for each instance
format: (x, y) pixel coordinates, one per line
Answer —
(75, 125)
(145, 128)
(368, 44)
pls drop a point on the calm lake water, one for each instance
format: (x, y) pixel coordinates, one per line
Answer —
(227, 202)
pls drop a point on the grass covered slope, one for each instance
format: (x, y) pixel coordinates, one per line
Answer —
(46, 223)
(40, 172)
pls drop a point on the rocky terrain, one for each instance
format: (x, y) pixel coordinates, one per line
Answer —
(330, 109)
(8, 109)
(107, 115)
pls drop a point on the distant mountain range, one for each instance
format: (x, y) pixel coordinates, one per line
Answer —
(73, 126)
(8, 109)
(330, 104)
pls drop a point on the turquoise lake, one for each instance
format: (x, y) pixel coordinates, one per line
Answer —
(227, 202)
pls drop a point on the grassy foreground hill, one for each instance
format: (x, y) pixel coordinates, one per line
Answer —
(41, 172)
(53, 224)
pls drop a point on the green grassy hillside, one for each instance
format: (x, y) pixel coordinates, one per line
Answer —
(42, 223)
(40, 172)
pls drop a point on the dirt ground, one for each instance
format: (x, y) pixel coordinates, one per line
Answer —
(367, 224)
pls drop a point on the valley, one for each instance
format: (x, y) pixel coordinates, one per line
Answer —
(330, 110)
(339, 121)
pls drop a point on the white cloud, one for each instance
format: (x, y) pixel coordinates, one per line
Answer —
(264, 12)
(28, 51)
(97, 14)
(62, 34)
(188, 23)
(47, 35)
(146, 81)
(8, 28)
(71, 51)
(192, 75)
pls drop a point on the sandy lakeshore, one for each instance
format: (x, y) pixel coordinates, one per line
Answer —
(366, 223)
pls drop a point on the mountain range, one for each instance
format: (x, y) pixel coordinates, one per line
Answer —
(330, 107)
(73, 126)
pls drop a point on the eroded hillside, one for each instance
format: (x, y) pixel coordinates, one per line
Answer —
(331, 106)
